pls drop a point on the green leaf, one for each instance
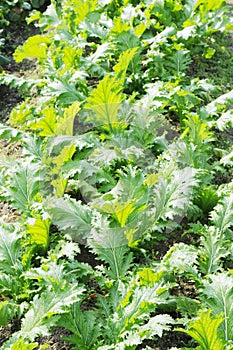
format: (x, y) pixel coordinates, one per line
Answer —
(111, 246)
(225, 120)
(13, 81)
(40, 317)
(127, 199)
(64, 90)
(157, 325)
(204, 330)
(171, 194)
(222, 100)
(24, 183)
(10, 251)
(214, 249)
(33, 147)
(222, 215)
(218, 295)
(126, 313)
(125, 39)
(4, 60)
(8, 311)
(187, 306)
(6, 132)
(179, 62)
(181, 258)
(11, 268)
(35, 47)
(84, 325)
(71, 217)
(206, 199)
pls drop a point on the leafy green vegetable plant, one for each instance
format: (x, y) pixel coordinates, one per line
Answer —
(117, 154)
(204, 330)
(218, 289)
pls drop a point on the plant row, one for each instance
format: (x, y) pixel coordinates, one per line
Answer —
(119, 154)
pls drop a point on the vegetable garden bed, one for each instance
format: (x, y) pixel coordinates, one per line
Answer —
(116, 178)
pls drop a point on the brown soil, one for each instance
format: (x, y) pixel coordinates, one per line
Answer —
(6, 332)
(7, 213)
(168, 340)
(54, 341)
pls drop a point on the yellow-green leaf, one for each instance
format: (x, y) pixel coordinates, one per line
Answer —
(209, 52)
(47, 124)
(39, 231)
(35, 47)
(210, 5)
(59, 182)
(59, 185)
(151, 179)
(65, 155)
(204, 330)
(140, 29)
(20, 115)
(130, 235)
(65, 124)
(81, 8)
(21, 345)
(105, 101)
(125, 58)
(121, 211)
(148, 277)
(119, 26)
